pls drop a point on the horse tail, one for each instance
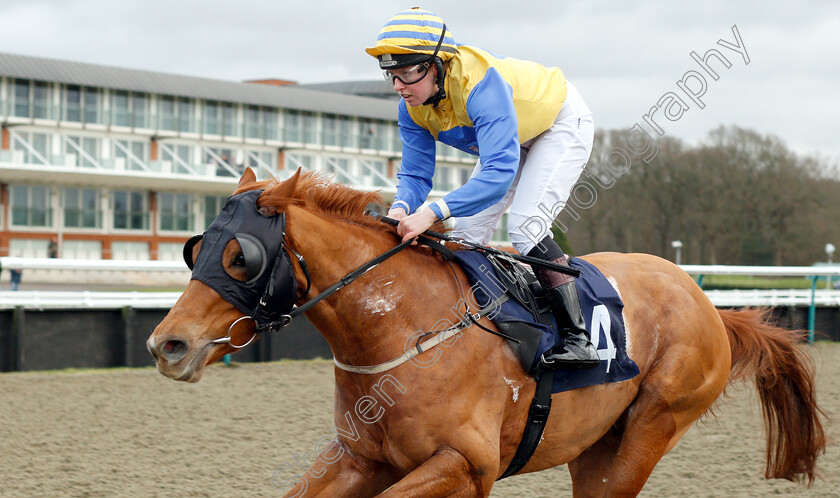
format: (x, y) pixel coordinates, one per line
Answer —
(784, 378)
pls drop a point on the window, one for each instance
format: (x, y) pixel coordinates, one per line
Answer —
(81, 104)
(301, 127)
(229, 125)
(41, 100)
(137, 251)
(34, 146)
(176, 114)
(211, 118)
(260, 123)
(396, 143)
(261, 160)
(81, 249)
(224, 160)
(185, 115)
(339, 166)
(86, 150)
(337, 131)
(442, 179)
(92, 103)
(213, 205)
(253, 122)
(72, 103)
(140, 110)
(371, 134)
(22, 101)
(170, 251)
(368, 167)
(179, 155)
(295, 161)
(32, 99)
(175, 212)
(131, 210)
(291, 122)
(135, 153)
(309, 125)
(269, 118)
(167, 114)
(81, 208)
(31, 206)
(28, 248)
(330, 132)
(120, 108)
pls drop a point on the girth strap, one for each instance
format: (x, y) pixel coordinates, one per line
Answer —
(534, 427)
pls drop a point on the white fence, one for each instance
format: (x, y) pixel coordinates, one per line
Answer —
(38, 299)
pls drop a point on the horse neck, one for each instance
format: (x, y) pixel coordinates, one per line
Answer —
(370, 320)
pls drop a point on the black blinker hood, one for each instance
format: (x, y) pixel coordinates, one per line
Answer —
(271, 285)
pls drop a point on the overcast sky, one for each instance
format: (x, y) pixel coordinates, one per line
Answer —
(622, 56)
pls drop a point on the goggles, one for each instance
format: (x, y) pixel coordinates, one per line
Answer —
(408, 75)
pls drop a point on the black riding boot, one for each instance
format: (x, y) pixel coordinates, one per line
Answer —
(576, 350)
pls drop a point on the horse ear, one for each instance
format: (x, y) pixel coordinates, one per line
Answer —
(248, 176)
(286, 190)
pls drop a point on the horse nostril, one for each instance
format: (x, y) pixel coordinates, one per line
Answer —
(173, 350)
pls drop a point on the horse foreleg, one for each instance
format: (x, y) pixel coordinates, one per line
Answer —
(338, 473)
(446, 473)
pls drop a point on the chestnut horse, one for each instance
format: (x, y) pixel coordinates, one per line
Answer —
(451, 427)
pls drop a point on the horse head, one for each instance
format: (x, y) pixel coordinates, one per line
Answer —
(242, 279)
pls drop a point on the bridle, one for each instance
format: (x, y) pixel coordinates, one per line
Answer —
(266, 298)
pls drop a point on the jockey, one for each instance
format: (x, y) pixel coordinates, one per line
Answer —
(531, 131)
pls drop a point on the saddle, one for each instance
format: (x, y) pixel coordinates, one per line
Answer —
(526, 316)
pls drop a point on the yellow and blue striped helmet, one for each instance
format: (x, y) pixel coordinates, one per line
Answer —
(410, 37)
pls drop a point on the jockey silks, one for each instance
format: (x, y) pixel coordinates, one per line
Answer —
(492, 106)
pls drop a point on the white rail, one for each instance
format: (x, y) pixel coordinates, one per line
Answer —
(37, 299)
(773, 297)
(10, 263)
(41, 300)
(763, 271)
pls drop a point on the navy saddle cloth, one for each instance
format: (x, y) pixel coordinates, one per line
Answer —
(602, 311)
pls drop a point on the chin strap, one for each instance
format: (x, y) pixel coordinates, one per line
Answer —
(435, 99)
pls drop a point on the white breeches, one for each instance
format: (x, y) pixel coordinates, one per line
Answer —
(549, 166)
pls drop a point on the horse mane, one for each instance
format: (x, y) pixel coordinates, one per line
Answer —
(316, 191)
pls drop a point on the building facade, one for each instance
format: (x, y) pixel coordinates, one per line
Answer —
(102, 162)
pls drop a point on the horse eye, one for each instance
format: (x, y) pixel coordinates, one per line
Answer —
(239, 260)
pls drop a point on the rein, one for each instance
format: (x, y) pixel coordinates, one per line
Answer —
(275, 306)
(343, 282)
(284, 320)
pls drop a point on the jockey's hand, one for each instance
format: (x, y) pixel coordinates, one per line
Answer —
(397, 213)
(415, 224)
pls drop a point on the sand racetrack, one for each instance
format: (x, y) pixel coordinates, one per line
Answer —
(132, 432)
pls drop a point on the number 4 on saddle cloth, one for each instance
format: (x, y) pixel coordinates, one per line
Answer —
(526, 316)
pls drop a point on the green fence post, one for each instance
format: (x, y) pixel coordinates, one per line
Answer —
(812, 311)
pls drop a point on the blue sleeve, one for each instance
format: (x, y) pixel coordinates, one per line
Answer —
(418, 161)
(490, 107)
